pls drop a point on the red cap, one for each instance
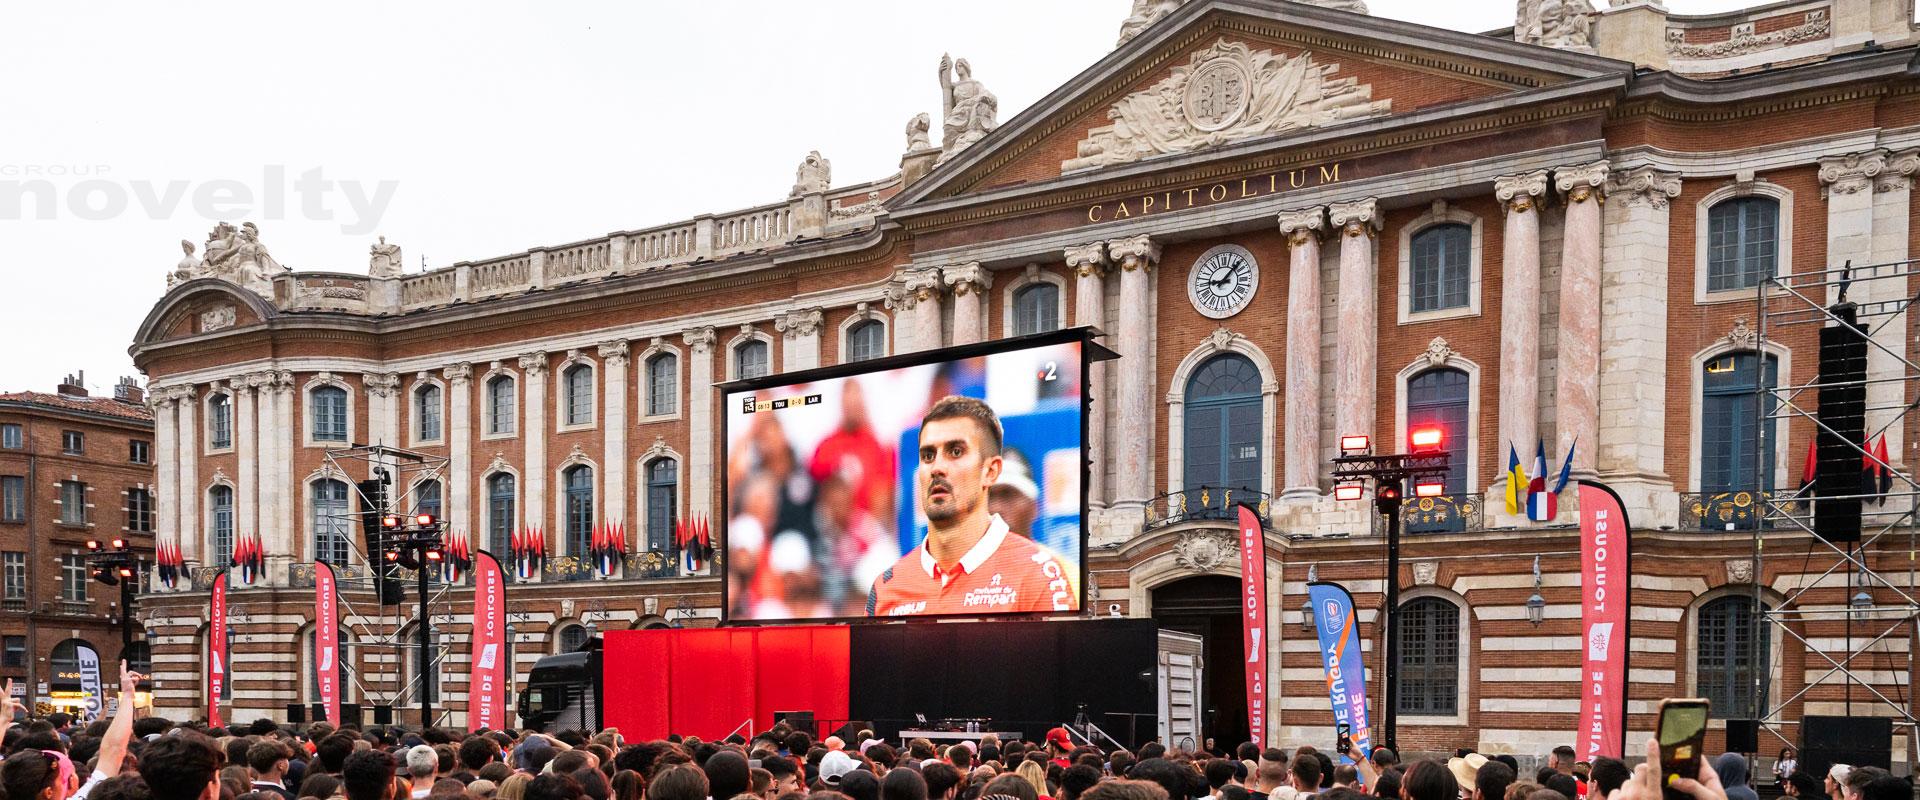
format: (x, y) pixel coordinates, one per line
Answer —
(1059, 736)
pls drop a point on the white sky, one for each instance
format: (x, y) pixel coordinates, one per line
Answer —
(495, 127)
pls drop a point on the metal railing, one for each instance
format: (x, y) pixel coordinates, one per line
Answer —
(1206, 503)
(1736, 510)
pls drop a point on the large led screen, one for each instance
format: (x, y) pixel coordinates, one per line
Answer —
(924, 488)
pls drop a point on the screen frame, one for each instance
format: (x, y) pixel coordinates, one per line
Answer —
(1091, 351)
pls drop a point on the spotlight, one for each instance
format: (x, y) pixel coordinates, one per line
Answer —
(1351, 445)
(1426, 439)
(1348, 491)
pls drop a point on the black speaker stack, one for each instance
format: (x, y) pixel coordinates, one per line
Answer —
(1854, 741)
(1838, 478)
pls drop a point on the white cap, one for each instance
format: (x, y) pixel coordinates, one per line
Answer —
(1839, 773)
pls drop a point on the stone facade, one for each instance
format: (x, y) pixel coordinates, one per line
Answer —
(1582, 189)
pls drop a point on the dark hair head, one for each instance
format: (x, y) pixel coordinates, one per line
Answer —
(1564, 753)
(726, 774)
(1010, 785)
(262, 727)
(477, 752)
(1126, 790)
(1341, 792)
(178, 767)
(1326, 768)
(941, 778)
(27, 773)
(593, 783)
(1805, 785)
(1564, 784)
(1163, 772)
(552, 786)
(1388, 784)
(960, 756)
(1547, 794)
(332, 751)
(367, 775)
(677, 782)
(125, 786)
(902, 784)
(1886, 788)
(319, 785)
(628, 785)
(1247, 751)
(955, 406)
(1492, 780)
(1219, 773)
(1306, 770)
(568, 761)
(1429, 780)
(263, 756)
(1346, 775)
(859, 785)
(1608, 774)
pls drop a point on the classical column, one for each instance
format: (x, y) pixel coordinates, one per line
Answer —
(1133, 476)
(1301, 468)
(1089, 265)
(801, 329)
(700, 422)
(166, 444)
(1631, 448)
(1520, 195)
(969, 283)
(246, 504)
(614, 358)
(459, 427)
(920, 296)
(383, 412)
(1892, 197)
(1357, 349)
(276, 472)
(533, 379)
(192, 533)
(1577, 377)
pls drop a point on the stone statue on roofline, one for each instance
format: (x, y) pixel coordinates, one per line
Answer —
(1563, 24)
(967, 109)
(917, 129)
(232, 254)
(813, 176)
(384, 261)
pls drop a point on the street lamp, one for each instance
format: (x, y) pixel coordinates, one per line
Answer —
(116, 564)
(1536, 605)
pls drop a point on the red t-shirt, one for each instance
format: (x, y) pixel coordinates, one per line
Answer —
(1002, 573)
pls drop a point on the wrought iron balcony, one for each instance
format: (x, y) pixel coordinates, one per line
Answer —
(13, 604)
(1206, 503)
(652, 564)
(1738, 510)
(1447, 513)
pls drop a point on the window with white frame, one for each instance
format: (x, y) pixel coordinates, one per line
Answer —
(73, 442)
(1036, 309)
(12, 436)
(426, 413)
(139, 510)
(501, 408)
(73, 503)
(663, 493)
(427, 500)
(1441, 267)
(573, 637)
(329, 414)
(577, 395)
(663, 384)
(330, 543)
(1429, 655)
(13, 498)
(577, 483)
(220, 421)
(867, 339)
(500, 512)
(13, 569)
(220, 503)
(73, 578)
(1743, 242)
(1731, 393)
(1731, 653)
(752, 359)
(139, 452)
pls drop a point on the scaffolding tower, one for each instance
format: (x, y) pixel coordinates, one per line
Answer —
(1847, 603)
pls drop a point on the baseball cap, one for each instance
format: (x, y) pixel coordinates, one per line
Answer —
(1059, 736)
(835, 764)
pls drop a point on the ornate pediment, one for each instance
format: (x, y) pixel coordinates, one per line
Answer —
(1225, 93)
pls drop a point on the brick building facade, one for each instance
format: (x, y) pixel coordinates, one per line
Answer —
(73, 468)
(1544, 234)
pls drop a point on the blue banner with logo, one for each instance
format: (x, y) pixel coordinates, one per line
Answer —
(1339, 629)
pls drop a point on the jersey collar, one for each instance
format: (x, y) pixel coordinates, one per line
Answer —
(982, 550)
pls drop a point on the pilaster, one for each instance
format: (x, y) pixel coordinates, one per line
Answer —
(700, 422)
(1577, 375)
(1356, 396)
(533, 382)
(1089, 265)
(192, 533)
(459, 423)
(1520, 197)
(801, 329)
(1300, 473)
(1133, 453)
(615, 356)
(969, 283)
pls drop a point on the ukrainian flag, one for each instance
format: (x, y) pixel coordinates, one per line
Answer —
(1516, 480)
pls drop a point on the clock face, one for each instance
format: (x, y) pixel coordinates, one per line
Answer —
(1222, 283)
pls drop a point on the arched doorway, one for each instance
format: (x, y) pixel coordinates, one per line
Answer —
(1209, 606)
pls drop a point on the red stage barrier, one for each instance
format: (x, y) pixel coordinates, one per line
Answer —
(706, 681)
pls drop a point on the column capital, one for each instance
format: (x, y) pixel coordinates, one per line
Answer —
(1087, 260)
(1134, 252)
(1303, 224)
(800, 323)
(614, 353)
(1582, 183)
(380, 384)
(913, 286)
(1357, 218)
(700, 339)
(967, 278)
(458, 374)
(533, 365)
(1899, 172)
(1644, 186)
(1518, 192)
(1851, 173)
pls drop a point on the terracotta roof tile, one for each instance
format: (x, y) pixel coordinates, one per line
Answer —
(91, 405)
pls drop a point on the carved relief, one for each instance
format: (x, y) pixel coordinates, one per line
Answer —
(1742, 335)
(216, 318)
(1225, 93)
(1645, 185)
(1745, 40)
(1739, 570)
(1206, 551)
(1439, 352)
(1425, 573)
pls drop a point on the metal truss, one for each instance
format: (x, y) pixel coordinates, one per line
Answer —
(1877, 603)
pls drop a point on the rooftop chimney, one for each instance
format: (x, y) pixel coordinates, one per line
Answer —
(75, 385)
(129, 391)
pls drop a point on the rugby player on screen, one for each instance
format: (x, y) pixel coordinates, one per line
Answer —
(970, 563)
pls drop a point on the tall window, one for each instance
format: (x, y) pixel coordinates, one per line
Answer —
(663, 384)
(1442, 267)
(426, 409)
(752, 359)
(13, 569)
(572, 638)
(663, 493)
(1742, 242)
(221, 502)
(329, 414)
(12, 436)
(139, 510)
(220, 421)
(1223, 424)
(330, 542)
(73, 503)
(73, 442)
(578, 484)
(866, 339)
(500, 405)
(500, 502)
(426, 499)
(1036, 309)
(139, 452)
(15, 654)
(13, 498)
(1429, 657)
(579, 394)
(73, 578)
(1730, 409)
(1734, 651)
(1438, 398)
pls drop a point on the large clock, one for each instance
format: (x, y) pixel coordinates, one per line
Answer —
(1223, 281)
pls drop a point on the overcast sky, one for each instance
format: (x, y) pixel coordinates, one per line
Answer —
(461, 130)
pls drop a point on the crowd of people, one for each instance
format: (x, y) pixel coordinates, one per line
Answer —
(155, 759)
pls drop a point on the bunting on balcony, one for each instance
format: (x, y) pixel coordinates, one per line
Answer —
(695, 541)
(529, 552)
(169, 564)
(1875, 469)
(609, 547)
(249, 559)
(458, 559)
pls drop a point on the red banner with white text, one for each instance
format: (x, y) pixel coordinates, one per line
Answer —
(326, 637)
(1603, 622)
(216, 648)
(487, 688)
(1253, 613)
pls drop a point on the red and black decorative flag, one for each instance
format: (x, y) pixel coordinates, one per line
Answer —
(1879, 471)
(696, 544)
(169, 564)
(529, 552)
(249, 559)
(458, 557)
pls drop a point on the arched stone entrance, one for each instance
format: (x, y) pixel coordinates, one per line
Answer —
(1209, 607)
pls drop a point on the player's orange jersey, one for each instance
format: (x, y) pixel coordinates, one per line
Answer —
(1003, 573)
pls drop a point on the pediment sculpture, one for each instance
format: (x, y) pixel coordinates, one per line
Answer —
(232, 254)
(1564, 24)
(968, 112)
(1226, 93)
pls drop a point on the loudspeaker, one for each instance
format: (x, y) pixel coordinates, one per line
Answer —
(296, 713)
(850, 730)
(1743, 736)
(349, 715)
(383, 715)
(1838, 443)
(1855, 741)
(800, 720)
(319, 714)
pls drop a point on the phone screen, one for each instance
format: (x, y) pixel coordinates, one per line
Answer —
(1345, 742)
(1683, 731)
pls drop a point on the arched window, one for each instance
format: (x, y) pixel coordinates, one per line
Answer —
(67, 667)
(500, 501)
(330, 543)
(752, 359)
(663, 492)
(1734, 651)
(311, 689)
(221, 537)
(577, 481)
(1036, 309)
(572, 638)
(427, 499)
(663, 384)
(1442, 268)
(426, 413)
(1429, 657)
(500, 405)
(1730, 423)
(866, 339)
(1223, 426)
(1743, 242)
(219, 421)
(329, 414)
(579, 394)
(1438, 398)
